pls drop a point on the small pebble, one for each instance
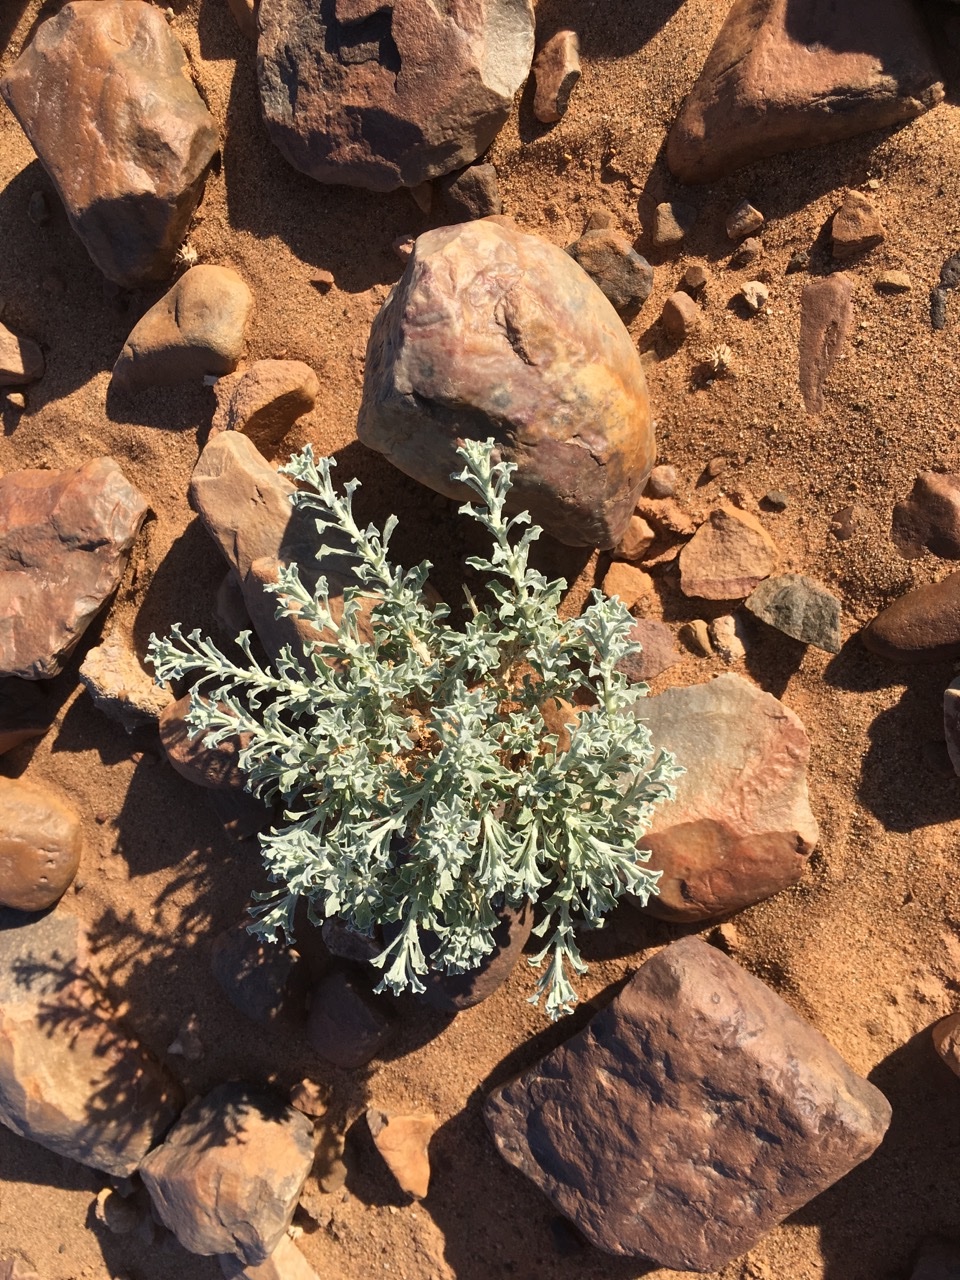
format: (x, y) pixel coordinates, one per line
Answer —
(600, 219)
(844, 523)
(662, 482)
(672, 220)
(695, 280)
(680, 316)
(323, 280)
(893, 282)
(715, 467)
(743, 221)
(950, 272)
(726, 635)
(799, 261)
(621, 274)
(755, 294)
(628, 583)
(403, 247)
(696, 636)
(748, 253)
(637, 539)
(775, 500)
(938, 308)
(856, 227)
(38, 209)
(17, 401)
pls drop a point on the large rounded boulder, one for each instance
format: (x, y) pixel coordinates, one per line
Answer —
(492, 332)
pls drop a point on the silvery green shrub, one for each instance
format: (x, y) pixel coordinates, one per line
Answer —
(420, 788)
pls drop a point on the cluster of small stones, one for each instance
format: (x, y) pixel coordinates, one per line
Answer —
(542, 361)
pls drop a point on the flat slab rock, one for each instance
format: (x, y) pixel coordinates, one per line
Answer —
(731, 1112)
(728, 557)
(65, 537)
(783, 76)
(741, 827)
(826, 316)
(71, 1078)
(103, 92)
(492, 332)
(389, 93)
(228, 1177)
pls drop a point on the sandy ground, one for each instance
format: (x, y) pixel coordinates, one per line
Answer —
(867, 947)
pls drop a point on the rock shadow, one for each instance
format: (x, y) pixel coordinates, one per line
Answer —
(864, 1230)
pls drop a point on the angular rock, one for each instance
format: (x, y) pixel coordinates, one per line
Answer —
(938, 308)
(783, 76)
(740, 828)
(556, 73)
(474, 193)
(111, 673)
(672, 220)
(402, 1140)
(727, 638)
(345, 1026)
(24, 713)
(628, 583)
(618, 271)
(728, 557)
(799, 607)
(71, 1078)
(922, 626)
(265, 981)
(65, 537)
(826, 315)
(743, 221)
(636, 540)
(285, 1263)
(196, 329)
(732, 1112)
(855, 227)
(695, 280)
(103, 92)
(229, 1175)
(930, 518)
(662, 481)
(680, 317)
(893, 282)
(755, 295)
(747, 253)
(658, 651)
(21, 360)
(536, 358)
(216, 766)
(695, 634)
(41, 842)
(265, 400)
(946, 1041)
(384, 95)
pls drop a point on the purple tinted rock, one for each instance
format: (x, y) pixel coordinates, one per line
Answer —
(658, 651)
(263, 980)
(922, 626)
(347, 1026)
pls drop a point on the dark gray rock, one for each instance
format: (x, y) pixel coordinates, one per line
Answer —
(347, 1026)
(474, 193)
(730, 1113)
(265, 981)
(612, 263)
(799, 607)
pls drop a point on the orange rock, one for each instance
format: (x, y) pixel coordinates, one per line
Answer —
(728, 556)
(41, 840)
(402, 1141)
(627, 582)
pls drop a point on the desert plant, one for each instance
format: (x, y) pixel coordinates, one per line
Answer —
(420, 785)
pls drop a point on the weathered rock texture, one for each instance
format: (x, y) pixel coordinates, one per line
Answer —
(103, 92)
(71, 1078)
(784, 75)
(740, 828)
(285, 1263)
(229, 1175)
(826, 315)
(189, 755)
(65, 537)
(41, 841)
(492, 332)
(556, 71)
(800, 608)
(728, 557)
(197, 328)
(111, 673)
(389, 93)
(922, 626)
(930, 518)
(690, 1116)
(265, 400)
(614, 266)
(402, 1140)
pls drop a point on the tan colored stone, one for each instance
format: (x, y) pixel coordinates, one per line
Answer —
(680, 317)
(637, 539)
(285, 1263)
(556, 72)
(538, 359)
(21, 360)
(65, 538)
(826, 316)
(628, 583)
(743, 221)
(729, 555)
(41, 841)
(103, 92)
(197, 329)
(265, 400)
(946, 1041)
(388, 95)
(402, 1140)
(855, 227)
(782, 76)
(120, 688)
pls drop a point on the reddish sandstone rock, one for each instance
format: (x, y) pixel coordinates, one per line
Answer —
(196, 329)
(492, 332)
(826, 315)
(556, 72)
(731, 1112)
(922, 626)
(628, 583)
(740, 828)
(855, 227)
(402, 1141)
(103, 92)
(265, 400)
(391, 94)
(930, 518)
(228, 1177)
(41, 840)
(21, 360)
(71, 1077)
(658, 651)
(216, 766)
(783, 76)
(728, 557)
(65, 537)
